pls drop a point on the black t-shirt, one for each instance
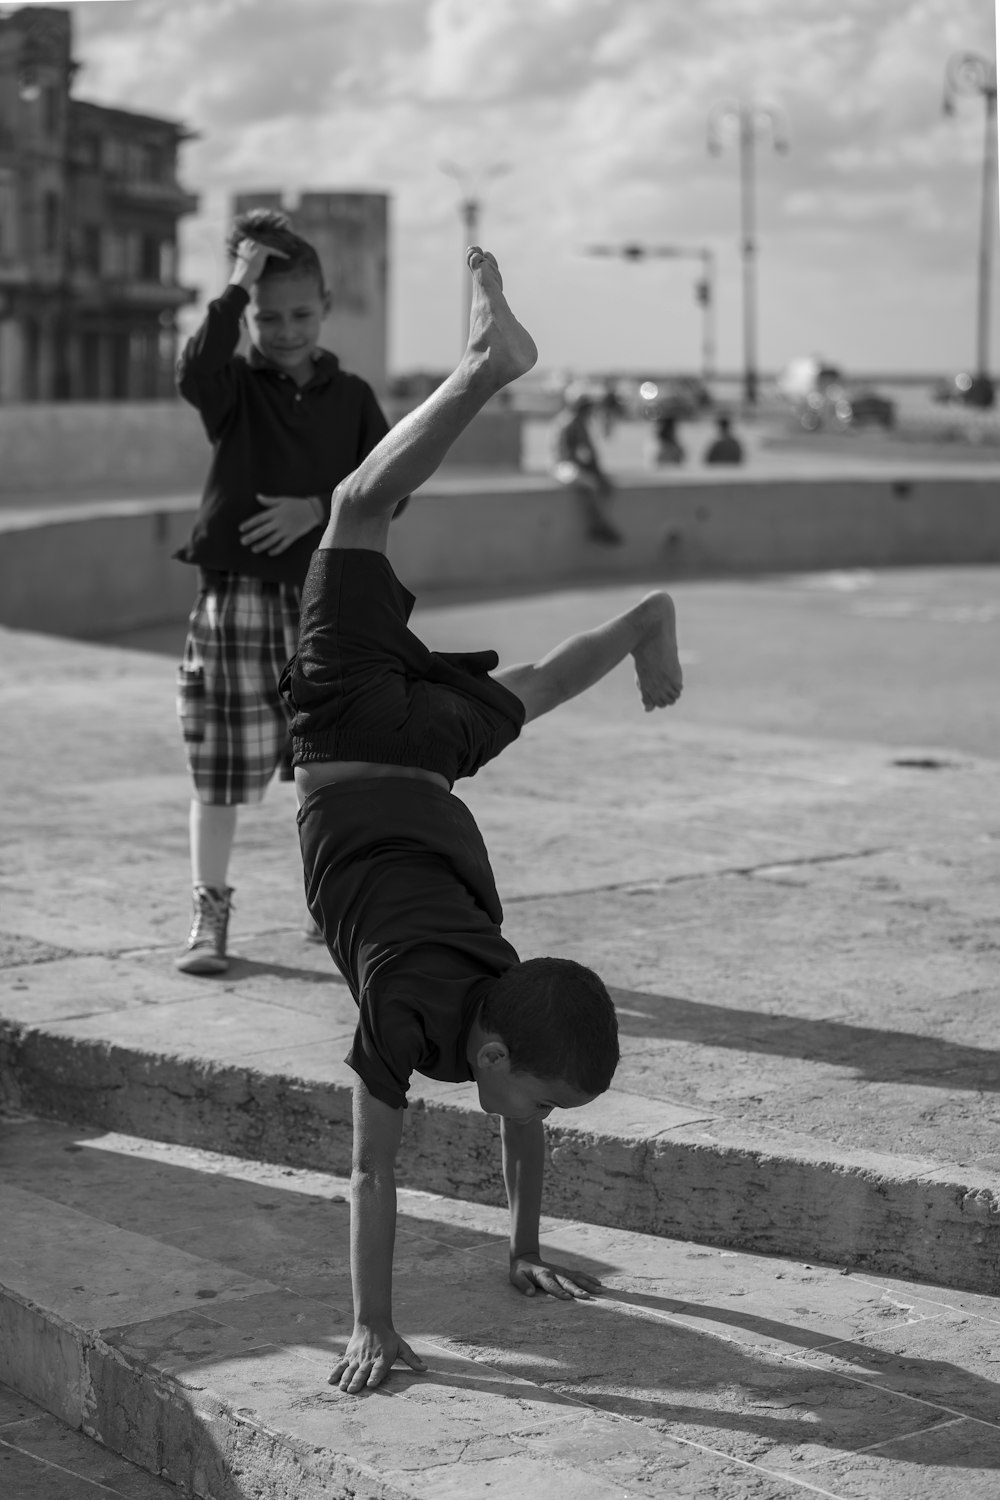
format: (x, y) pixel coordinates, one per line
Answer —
(398, 877)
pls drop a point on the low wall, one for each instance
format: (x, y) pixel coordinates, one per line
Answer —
(150, 446)
(88, 570)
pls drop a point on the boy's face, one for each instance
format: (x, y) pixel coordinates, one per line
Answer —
(283, 319)
(521, 1097)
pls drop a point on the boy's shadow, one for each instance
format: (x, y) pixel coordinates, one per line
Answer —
(901, 1393)
(881, 1056)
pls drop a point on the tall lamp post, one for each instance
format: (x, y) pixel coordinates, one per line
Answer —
(970, 73)
(752, 121)
(469, 208)
(704, 288)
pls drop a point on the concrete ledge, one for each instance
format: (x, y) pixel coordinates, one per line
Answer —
(93, 568)
(196, 1439)
(630, 1167)
(67, 446)
(186, 1308)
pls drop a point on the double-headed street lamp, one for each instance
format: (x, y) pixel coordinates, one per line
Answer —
(751, 121)
(469, 207)
(704, 288)
(970, 73)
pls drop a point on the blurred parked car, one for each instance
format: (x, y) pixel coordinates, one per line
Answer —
(966, 390)
(868, 408)
(822, 399)
(682, 397)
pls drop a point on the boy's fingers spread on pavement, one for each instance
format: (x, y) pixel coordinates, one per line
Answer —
(359, 1379)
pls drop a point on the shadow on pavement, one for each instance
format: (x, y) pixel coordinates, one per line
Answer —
(705, 1386)
(880, 1056)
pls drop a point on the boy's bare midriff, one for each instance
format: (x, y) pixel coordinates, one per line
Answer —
(317, 773)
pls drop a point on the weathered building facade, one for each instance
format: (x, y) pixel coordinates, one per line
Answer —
(89, 207)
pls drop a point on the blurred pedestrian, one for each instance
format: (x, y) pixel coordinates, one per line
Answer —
(611, 407)
(577, 466)
(665, 447)
(725, 447)
(286, 425)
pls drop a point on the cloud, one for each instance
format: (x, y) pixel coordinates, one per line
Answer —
(599, 109)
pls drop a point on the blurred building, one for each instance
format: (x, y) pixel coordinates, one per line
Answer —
(351, 234)
(89, 206)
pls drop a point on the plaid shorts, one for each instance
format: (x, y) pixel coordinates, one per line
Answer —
(234, 721)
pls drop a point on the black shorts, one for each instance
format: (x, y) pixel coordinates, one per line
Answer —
(362, 686)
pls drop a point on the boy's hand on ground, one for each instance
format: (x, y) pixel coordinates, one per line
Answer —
(370, 1355)
(529, 1273)
(285, 518)
(251, 258)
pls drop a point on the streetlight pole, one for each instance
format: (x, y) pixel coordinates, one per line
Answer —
(704, 288)
(970, 73)
(751, 120)
(469, 208)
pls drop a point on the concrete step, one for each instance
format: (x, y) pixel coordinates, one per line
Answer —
(184, 1308)
(43, 1459)
(254, 1067)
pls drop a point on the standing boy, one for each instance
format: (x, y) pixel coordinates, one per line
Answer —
(396, 871)
(286, 425)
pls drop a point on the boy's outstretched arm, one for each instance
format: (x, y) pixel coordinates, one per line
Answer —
(523, 1169)
(374, 1345)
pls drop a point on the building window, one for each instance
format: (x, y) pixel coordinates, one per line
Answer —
(113, 259)
(50, 222)
(168, 263)
(50, 111)
(150, 262)
(92, 248)
(113, 155)
(87, 150)
(161, 163)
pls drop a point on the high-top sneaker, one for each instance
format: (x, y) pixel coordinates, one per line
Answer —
(206, 945)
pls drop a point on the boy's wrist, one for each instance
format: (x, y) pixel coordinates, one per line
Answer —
(242, 298)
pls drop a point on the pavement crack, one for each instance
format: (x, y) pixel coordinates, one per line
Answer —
(650, 887)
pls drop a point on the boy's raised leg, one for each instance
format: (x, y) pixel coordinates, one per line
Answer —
(647, 632)
(498, 351)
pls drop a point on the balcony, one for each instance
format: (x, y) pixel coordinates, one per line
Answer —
(157, 194)
(93, 291)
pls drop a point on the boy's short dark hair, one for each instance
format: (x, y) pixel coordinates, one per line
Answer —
(557, 1020)
(269, 226)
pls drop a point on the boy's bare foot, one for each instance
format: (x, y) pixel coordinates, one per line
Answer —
(658, 672)
(497, 342)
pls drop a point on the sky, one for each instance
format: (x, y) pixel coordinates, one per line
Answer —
(584, 122)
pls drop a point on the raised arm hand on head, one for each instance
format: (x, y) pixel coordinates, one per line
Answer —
(251, 258)
(374, 1345)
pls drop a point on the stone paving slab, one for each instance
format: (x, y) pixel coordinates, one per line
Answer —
(800, 936)
(43, 1459)
(697, 1372)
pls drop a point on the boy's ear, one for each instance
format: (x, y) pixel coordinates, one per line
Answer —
(493, 1056)
(326, 302)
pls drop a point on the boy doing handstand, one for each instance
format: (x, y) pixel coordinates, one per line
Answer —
(396, 872)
